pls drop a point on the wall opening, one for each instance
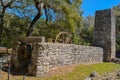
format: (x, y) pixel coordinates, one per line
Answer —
(24, 55)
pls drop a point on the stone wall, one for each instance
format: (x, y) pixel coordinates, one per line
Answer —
(104, 33)
(46, 56)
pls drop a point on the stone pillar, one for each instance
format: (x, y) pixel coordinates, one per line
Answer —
(104, 33)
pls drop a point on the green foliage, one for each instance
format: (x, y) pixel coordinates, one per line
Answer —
(68, 19)
(86, 32)
(86, 36)
(64, 15)
(72, 22)
(14, 28)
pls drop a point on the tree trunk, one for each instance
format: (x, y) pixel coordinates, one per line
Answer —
(1, 30)
(39, 14)
(32, 24)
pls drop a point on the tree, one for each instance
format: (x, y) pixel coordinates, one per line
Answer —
(14, 29)
(86, 32)
(3, 6)
(64, 14)
(53, 8)
(88, 21)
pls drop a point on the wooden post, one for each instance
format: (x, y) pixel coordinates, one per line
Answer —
(1, 68)
(8, 71)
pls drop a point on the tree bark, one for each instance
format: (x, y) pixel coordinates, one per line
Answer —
(32, 24)
(39, 14)
(1, 29)
(39, 5)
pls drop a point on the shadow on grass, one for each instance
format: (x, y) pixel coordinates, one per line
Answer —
(18, 72)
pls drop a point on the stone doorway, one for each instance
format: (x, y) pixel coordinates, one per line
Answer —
(24, 55)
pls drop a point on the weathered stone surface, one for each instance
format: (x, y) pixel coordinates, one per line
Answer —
(48, 55)
(33, 39)
(110, 78)
(94, 74)
(118, 74)
(104, 33)
(88, 78)
(115, 75)
(116, 60)
(3, 50)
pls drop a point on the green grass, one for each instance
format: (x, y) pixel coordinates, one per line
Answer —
(82, 71)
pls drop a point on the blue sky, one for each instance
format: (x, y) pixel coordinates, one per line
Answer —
(90, 6)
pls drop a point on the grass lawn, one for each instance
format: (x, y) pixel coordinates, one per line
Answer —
(80, 72)
(74, 72)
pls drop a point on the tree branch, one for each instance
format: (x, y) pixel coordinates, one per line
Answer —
(40, 5)
(2, 3)
(46, 14)
(9, 4)
(51, 6)
(39, 14)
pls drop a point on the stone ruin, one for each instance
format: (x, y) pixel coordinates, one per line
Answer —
(104, 33)
(39, 57)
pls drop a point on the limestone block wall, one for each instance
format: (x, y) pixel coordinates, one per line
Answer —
(46, 56)
(104, 33)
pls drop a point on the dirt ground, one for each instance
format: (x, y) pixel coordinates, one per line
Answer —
(4, 76)
(19, 74)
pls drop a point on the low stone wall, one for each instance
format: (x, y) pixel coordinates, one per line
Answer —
(46, 56)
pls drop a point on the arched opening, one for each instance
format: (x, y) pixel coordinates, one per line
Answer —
(24, 55)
